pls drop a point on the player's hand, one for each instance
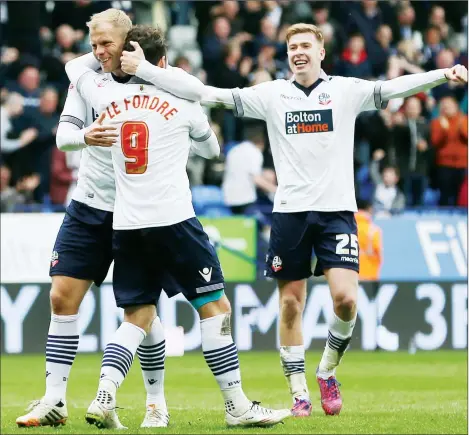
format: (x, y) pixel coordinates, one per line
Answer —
(100, 135)
(457, 74)
(130, 60)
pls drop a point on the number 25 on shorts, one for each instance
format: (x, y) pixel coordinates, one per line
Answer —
(134, 143)
(343, 242)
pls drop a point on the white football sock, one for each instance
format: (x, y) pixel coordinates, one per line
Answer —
(340, 333)
(151, 354)
(292, 359)
(221, 355)
(61, 349)
(119, 354)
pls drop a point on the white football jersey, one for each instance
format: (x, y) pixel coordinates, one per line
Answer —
(311, 137)
(150, 156)
(95, 185)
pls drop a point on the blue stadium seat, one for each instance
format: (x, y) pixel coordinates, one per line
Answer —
(431, 197)
(217, 211)
(204, 196)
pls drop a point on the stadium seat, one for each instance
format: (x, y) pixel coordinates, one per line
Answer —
(205, 196)
(182, 37)
(217, 211)
(195, 58)
(431, 197)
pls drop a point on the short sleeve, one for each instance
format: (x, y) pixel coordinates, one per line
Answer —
(365, 94)
(200, 129)
(74, 110)
(252, 102)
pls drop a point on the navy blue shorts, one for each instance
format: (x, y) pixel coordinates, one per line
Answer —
(145, 258)
(83, 248)
(332, 235)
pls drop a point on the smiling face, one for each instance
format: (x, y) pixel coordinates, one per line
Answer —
(305, 54)
(107, 42)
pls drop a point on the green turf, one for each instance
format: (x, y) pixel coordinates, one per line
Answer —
(398, 393)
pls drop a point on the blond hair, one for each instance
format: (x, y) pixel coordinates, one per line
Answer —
(116, 17)
(295, 29)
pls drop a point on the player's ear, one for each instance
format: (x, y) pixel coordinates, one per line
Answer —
(322, 53)
(162, 63)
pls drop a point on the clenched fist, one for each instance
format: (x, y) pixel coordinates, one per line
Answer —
(457, 73)
(130, 60)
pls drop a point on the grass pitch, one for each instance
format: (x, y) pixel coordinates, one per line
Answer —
(425, 393)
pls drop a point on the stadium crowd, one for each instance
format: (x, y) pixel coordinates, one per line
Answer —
(413, 153)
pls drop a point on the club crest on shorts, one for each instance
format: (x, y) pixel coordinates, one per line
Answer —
(276, 263)
(55, 258)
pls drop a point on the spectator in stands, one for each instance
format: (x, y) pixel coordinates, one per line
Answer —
(230, 10)
(432, 46)
(243, 171)
(252, 12)
(406, 60)
(410, 138)
(9, 56)
(365, 20)
(27, 85)
(354, 60)
(381, 50)
(66, 48)
(449, 137)
(11, 108)
(406, 30)
(370, 243)
(22, 193)
(387, 198)
(46, 122)
(437, 19)
(64, 175)
(212, 49)
(443, 59)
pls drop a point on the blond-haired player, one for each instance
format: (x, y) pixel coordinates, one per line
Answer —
(82, 252)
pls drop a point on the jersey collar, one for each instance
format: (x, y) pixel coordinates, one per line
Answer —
(307, 90)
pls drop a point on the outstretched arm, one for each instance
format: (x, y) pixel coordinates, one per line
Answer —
(412, 84)
(174, 80)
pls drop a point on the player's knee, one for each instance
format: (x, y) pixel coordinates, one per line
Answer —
(61, 302)
(141, 316)
(345, 301)
(66, 295)
(291, 308)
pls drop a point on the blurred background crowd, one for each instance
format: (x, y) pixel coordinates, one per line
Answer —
(412, 154)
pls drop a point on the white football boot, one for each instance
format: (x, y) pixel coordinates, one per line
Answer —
(156, 416)
(257, 415)
(41, 413)
(102, 412)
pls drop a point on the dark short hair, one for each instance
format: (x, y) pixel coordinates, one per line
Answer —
(151, 40)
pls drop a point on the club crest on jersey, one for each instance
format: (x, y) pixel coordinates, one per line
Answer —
(276, 263)
(101, 81)
(309, 121)
(54, 259)
(324, 99)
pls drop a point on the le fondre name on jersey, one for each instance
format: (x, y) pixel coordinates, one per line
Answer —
(309, 121)
(391, 316)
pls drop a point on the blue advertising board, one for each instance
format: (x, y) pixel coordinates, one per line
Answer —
(424, 247)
